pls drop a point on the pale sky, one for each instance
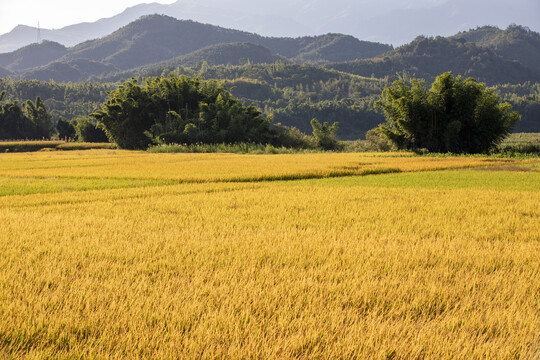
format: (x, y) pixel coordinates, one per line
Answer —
(55, 14)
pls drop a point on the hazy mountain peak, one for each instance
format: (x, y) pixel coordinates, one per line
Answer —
(386, 21)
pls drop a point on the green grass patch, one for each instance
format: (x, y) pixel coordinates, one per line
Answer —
(521, 139)
(521, 143)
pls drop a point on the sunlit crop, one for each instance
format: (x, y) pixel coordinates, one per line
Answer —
(217, 167)
(113, 254)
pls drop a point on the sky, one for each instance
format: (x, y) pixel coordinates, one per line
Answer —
(55, 14)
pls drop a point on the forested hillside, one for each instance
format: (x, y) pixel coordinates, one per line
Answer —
(32, 56)
(221, 54)
(70, 71)
(428, 57)
(153, 39)
(515, 43)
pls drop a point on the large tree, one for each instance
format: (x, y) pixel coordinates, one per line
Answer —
(179, 109)
(454, 115)
(29, 121)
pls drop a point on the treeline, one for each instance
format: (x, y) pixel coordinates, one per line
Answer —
(69, 100)
(525, 99)
(293, 94)
(29, 120)
(297, 93)
(60, 110)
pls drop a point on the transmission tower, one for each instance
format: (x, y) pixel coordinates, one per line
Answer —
(38, 34)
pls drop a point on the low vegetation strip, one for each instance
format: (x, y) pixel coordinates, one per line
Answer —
(40, 145)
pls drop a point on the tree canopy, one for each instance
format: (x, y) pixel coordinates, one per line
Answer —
(179, 109)
(455, 115)
(31, 120)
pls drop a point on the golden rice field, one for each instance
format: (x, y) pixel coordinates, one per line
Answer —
(110, 254)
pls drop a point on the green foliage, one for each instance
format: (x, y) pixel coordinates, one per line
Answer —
(68, 100)
(87, 130)
(455, 115)
(525, 99)
(31, 120)
(521, 143)
(291, 137)
(376, 140)
(238, 148)
(49, 145)
(65, 129)
(293, 94)
(326, 135)
(515, 43)
(179, 109)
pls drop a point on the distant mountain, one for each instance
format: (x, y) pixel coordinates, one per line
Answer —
(74, 34)
(33, 55)
(334, 48)
(389, 21)
(156, 43)
(153, 39)
(428, 57)
(165, 41)
(400, 24)
(156, 38)
(514, 43)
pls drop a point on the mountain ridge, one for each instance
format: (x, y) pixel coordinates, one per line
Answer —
(158, 38)
(399, 23)
(155, 42)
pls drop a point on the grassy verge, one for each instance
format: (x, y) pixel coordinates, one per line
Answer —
(521, 143)
(32, 146)
(237, 148)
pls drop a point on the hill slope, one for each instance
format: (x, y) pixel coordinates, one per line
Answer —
(4, 72)
(429, 57)
(33, 55)
(157, 38)
(223, 54)
(69, 71)
(515, 43)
